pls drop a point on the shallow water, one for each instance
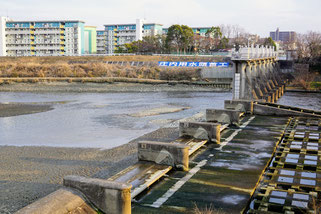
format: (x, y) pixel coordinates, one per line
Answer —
(102, 120)
(97, 120)
(302, 100)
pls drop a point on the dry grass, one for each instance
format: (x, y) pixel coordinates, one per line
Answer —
(206, 210)
(54, 60)
(58, 67)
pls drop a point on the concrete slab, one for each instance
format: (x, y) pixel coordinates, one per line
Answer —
(218, 182)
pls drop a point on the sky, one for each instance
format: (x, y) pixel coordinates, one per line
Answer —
(255, 16)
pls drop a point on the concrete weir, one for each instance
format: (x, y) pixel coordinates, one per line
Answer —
(218, 160)
(198, 173)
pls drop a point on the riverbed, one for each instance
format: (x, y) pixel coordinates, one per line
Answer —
(87, 134)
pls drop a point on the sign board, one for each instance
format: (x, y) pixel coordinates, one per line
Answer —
(193, 64)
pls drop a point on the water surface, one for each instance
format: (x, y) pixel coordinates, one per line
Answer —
(97, 120)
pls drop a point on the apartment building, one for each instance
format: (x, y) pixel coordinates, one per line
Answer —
(120, 34)
(41, 38)
(101, 42)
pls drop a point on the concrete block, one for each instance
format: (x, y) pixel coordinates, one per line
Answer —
(109, 196)
(201, 130)
(62, 201)
(245, 106)
(224, 116)
(170, 154)
(282, 110)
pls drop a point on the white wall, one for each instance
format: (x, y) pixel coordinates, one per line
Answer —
(139, 29)
(86, 42)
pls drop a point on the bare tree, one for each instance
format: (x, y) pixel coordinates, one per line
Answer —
(313, 41)
(226, 30)
(309, 46)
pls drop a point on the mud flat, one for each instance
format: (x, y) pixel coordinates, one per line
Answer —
(15, 109)
(158, 111)
(102, 87)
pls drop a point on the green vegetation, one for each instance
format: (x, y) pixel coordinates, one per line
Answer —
(179, 38)
(315, 85)
(269, 42)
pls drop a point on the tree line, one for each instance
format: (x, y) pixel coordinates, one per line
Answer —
(181, 39)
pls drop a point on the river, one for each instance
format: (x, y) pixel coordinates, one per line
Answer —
(97, 120)
(103, 120)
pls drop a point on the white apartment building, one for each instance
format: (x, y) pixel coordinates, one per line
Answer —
(101, 42)
(41, 38)
(120, 34)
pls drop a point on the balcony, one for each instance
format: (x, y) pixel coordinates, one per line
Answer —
(47, 48)
(18, 48)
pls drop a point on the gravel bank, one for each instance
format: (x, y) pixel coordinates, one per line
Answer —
(101, 87)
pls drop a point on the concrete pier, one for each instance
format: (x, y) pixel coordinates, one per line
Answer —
(223, 116)
(170, 154)
(257, 74)
(110, 197)
(200, 130)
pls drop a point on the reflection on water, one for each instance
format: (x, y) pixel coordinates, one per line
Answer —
(97, 120)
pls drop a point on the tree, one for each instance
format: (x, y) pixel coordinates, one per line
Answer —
(174, 37)
(313, 41)
(187, 38)
(214, 36)
(120, 49)
(269, 42)
(223, 43)
(179, 37)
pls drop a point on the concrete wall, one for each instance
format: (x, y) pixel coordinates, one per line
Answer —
(218, 74)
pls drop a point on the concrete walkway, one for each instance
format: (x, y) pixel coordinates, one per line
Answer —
(220, 177)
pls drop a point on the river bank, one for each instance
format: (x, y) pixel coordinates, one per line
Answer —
(78, 87)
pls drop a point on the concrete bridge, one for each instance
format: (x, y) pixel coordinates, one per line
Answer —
(257, 74)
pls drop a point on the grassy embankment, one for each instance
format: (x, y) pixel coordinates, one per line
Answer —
(93, 69)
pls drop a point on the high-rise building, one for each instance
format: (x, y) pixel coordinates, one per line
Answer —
(120, 34)
(41, 38)
(284, 36)
(90, 40)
